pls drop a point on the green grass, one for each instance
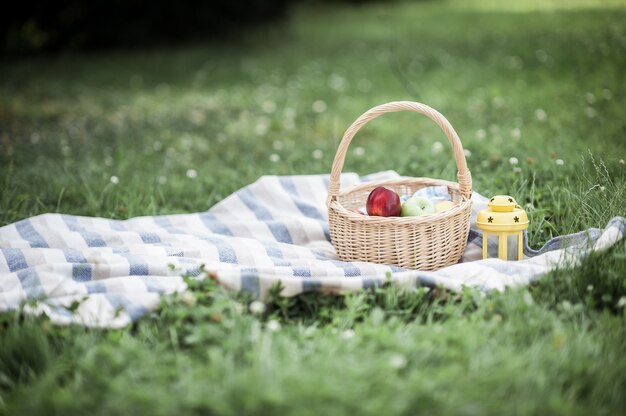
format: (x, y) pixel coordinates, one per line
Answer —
(539, 83)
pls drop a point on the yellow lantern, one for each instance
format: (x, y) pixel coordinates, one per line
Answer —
(503, 218)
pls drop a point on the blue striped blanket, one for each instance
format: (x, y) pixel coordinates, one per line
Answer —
(103, 272)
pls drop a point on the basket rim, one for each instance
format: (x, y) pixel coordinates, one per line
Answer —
(376, 220)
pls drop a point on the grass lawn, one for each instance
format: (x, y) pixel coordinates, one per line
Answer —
(537, 94)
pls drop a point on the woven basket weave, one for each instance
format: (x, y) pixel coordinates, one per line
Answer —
(427, 242)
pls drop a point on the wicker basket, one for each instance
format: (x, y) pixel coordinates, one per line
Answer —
(427, 242)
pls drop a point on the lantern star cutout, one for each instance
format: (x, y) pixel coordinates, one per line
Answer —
(516, 219)
(490, 219)
(511, 200)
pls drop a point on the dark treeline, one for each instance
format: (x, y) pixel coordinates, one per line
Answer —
(32, 26)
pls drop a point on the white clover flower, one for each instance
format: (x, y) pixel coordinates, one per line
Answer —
(274, 158)
(516, 133)
(542, 56)
(513, 161)
(540, 114)
(517, 169)
(589, 288)
(273, 325)
(337, 82)
(590, 112)
(278, 144)
(397, 361)
(559, 162)
(347, 334)
(114, 180)
(437, 147)
(317, 154)
(261, 127)
(161, 180)
(188, 298)
(192, 173)
(319, 106)
(269, 106)
(590, 97)
(481, 134)
(257, 307)
(34, 138)
(621, 302)
(467, 152)
(359, 151)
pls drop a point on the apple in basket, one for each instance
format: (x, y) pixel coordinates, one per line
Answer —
(383, 202)
(443, 205)
(416, 206)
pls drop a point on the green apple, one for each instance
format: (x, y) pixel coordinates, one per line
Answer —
(416, 206)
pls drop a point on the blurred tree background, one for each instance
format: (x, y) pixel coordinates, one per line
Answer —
(41, 26)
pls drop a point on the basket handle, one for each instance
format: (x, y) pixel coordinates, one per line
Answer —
(464, 176)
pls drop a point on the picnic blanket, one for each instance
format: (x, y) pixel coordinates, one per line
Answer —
(108, 273)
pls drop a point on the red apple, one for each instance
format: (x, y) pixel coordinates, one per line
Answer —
(383, 202)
